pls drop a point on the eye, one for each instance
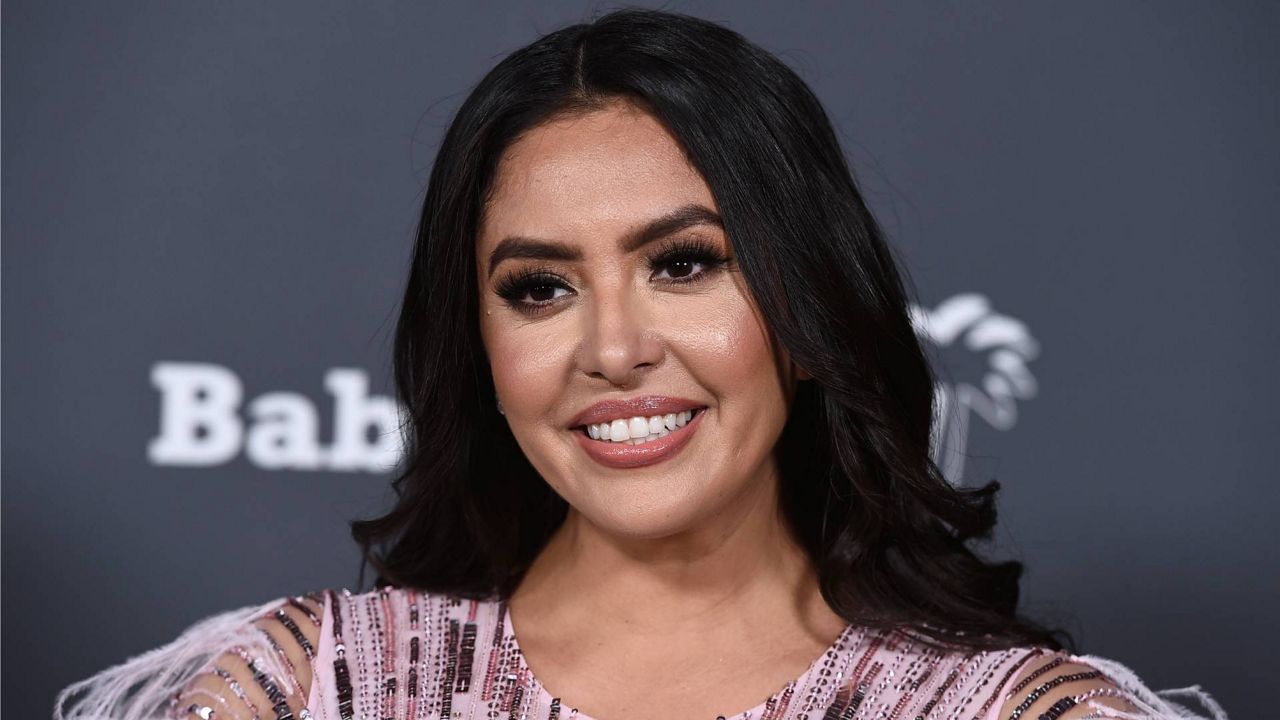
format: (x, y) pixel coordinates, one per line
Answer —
(687, 260)
(532, 291)
(683, 261)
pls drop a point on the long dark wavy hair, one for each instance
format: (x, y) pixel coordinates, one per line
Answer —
(885, 530)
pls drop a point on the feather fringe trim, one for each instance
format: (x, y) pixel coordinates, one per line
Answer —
(141, 687)
(1156, 704)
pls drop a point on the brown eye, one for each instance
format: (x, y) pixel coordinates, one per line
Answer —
(682, 269)
(542, 293)
(531, 292)
(687, 261)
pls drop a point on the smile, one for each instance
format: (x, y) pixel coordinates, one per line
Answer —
(638, 441)
(637, 430)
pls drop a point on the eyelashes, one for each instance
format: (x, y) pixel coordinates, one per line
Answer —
(534, 290)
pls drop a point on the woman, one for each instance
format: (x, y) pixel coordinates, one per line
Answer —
(667, 416)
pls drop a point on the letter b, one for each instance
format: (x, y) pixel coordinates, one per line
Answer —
(196, 397)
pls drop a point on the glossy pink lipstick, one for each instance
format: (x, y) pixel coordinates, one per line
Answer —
(623, 455)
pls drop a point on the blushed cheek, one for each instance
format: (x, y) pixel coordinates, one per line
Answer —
(529, 365)
(726, 348)
(737, 360)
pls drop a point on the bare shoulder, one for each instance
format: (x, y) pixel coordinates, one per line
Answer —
(253, 661)
(1057, 687)
(268, 672)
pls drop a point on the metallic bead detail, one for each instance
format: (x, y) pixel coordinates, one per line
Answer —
(1046, 687)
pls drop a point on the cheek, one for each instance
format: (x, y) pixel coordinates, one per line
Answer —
(528, 363)
(726, 347)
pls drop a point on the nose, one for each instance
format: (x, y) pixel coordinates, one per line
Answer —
(620, 341)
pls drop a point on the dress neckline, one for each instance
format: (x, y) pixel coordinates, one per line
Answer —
(545, 698)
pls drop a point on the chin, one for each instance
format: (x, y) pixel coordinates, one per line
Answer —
(648, 513)
(638, 526)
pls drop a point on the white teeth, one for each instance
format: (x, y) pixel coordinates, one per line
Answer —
(619, 430)
(639, 429)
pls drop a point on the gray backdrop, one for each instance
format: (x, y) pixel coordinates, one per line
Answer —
(205, 199)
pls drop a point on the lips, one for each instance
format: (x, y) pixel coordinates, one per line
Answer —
(623, 456)
(643, 406)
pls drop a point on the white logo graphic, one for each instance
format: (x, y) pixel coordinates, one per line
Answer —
(1006, 380)
(200, 424)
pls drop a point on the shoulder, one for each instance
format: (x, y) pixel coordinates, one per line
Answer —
(1062, 686)
(1056, 686)
(248, 662)
(1029, 682)
(267, 671)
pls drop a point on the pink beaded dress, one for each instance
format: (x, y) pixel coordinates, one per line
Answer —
(413, 655)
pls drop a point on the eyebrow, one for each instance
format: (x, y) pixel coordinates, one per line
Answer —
(517, 246)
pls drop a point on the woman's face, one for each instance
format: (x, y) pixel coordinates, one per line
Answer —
(577, 310)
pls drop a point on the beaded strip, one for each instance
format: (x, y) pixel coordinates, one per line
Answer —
(992, 665)
(291, 673)
(278, 703)
(341, 672)
(361, 682)
(377, 641)
(389, 654)
(971, 667)
(982, 711)
(297, 601)
(875, 703)
(1097, 692)
(938, 692)
(284, 658)
(451, 667)
(838, 658)
(425, 633)
(239, 692)
(411, 688)
(491, 681)
(1037, 673)
(195, 692)
(1084, 697)
(204, 712)
(850, 697)
(466, 657)
(440, 621)
(920, 667)
(1046, 687)
(868, 692)
(296, 631)
(191, 693)
(856, 675)
(1056, 710)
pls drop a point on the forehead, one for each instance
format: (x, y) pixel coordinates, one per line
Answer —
(589, 176)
